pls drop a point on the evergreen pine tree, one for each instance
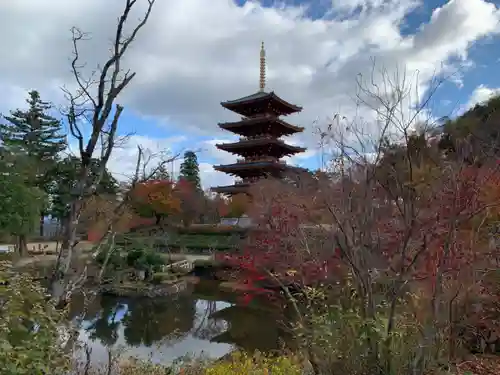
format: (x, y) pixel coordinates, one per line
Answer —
(34, 133)
(35, 136)
(190, 170)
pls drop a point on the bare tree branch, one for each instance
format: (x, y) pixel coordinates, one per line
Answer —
(93, 103)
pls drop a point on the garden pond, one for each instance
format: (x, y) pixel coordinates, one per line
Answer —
(201, 321)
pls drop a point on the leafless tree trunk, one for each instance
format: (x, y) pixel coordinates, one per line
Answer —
(93, 103)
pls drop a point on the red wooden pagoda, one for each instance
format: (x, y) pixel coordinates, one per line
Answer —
(260, 129)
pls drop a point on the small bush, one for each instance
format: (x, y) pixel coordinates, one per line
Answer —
(239, 364)
(133, 256)
(258, 364)
(142, 259)
(31, 329)
(154, 260)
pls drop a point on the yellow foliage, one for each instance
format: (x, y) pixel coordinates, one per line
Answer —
(242, 364)
(238, 205)
(424, 176)
(239, 364)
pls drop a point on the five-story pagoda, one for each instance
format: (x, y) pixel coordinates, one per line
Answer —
(260, 148)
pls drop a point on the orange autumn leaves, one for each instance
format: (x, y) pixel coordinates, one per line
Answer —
(161, 199)
(157, 198)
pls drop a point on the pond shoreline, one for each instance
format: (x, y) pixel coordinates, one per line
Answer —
(140, 289)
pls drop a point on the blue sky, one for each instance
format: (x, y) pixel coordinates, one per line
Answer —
(194, 54)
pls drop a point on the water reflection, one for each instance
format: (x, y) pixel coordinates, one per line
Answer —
(158, 329)
(250, 328)
(105, 327)
(167, 328)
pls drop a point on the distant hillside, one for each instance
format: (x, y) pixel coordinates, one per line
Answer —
(475, 135)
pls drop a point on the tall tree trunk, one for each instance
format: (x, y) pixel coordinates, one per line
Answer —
(59, 283)
(42, 217)
(22, 245)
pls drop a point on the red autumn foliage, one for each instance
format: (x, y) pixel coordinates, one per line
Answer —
(444, 230)
(191, 201)
(222, 206)
(274, 253)
(440, 245)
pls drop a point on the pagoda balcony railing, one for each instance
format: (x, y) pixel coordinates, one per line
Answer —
(259, 136)
(246, 181)
(260, 159)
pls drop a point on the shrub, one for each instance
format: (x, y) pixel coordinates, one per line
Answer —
(337, 337)
(154, 260)
(133, 256)
(477, 316)
(239, 364)
(31, 338)
(144, 259)
(258, 364)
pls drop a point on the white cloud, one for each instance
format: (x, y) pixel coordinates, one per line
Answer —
(482, 94)
(195, 53)
(123, 160)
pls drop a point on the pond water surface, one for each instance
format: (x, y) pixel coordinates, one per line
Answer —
(202, 322)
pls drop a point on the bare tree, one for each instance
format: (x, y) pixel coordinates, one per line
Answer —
(93, 103)
(400, 218)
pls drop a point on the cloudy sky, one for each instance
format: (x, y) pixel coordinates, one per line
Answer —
(193, 54)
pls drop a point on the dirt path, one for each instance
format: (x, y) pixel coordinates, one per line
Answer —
(37, 256)
(44, 259)
(45, 246)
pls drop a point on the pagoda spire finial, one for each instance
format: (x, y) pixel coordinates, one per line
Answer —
(262, 67)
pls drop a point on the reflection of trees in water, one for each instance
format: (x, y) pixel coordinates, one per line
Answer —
(83, 303)
(251, 328)
(206, 327)
(105, 326)
(150, 321)
(144, 321)
(258, 326)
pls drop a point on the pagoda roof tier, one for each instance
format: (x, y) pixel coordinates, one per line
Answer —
(231, 189)
(262, 145)
(261, 124)
(261, 102)
(252, 169)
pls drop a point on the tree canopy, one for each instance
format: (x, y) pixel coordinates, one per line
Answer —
(35, 134)
(68, 173)
(155, 199)
(33, 139)
(190, 170)
(473, 137)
